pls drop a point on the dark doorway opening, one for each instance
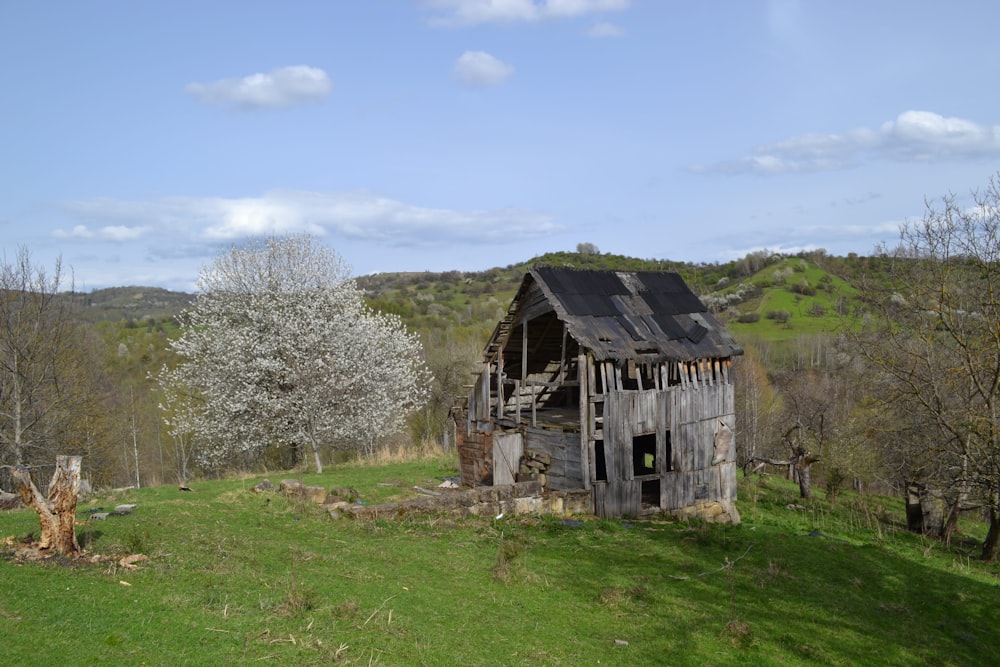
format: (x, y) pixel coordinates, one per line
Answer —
(651, 493)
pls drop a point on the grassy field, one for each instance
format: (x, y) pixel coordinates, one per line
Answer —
(234, 577)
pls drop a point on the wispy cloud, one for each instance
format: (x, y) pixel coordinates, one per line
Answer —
(913, 136)
(605, 30)
(115, 233)
(479, 69)
(458, 13)
(184, 222)
(281, 88)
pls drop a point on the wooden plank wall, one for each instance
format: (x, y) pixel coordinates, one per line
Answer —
(621, 494)
(563, 447)
(614, 500)
(696, 415)
(693, 415)
(690, 411)
(507, 451)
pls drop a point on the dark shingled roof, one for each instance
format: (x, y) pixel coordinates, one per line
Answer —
(632, 314)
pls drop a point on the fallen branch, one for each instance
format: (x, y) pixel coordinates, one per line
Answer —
(378, 610)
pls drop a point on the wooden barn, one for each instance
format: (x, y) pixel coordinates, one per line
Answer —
(619, 382)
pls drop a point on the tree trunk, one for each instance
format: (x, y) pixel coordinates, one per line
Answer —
(991, 546)
(57, 515)
(319, 462)
(804, 471)
(952, 522)
(802, 461)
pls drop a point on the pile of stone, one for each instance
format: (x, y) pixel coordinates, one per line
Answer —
(292, 488)
(524, 497)
(533, 467)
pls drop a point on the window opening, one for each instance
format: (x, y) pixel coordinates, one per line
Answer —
(600, 466)
(644, 455)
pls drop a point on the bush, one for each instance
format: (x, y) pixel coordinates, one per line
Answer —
(748, 318)
(779, 316)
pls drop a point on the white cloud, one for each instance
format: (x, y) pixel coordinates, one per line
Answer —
(117, 233)
(183, 224)
(480, 69)
(921, 136)
(122, 233)
(604, 29)
(78, 232)
(475, 12)
(278, 89)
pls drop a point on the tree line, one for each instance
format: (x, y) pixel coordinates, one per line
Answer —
(906, 395)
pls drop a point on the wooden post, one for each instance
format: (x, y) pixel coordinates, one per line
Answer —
(583, 373)
(57, 515)
(500, 379)
(517, 399)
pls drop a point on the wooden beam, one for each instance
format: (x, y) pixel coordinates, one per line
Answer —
(524, 352)
(562, 356)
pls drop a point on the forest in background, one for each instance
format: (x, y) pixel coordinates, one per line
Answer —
(785, 310)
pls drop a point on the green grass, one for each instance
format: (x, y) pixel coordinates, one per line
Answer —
(235, 579)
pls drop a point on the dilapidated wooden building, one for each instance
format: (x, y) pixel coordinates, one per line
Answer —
(614, 381)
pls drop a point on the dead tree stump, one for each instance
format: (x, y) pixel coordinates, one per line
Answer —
(57, 514)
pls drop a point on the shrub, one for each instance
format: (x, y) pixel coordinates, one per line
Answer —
(748, 318)
(803, 288)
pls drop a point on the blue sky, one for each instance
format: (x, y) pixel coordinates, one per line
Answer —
(137, 139)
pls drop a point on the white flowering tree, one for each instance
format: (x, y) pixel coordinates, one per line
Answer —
(279, 349)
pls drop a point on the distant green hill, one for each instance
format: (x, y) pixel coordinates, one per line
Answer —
(775, 299)
(788, 298)
(135, 304)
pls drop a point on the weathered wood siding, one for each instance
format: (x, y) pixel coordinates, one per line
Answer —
(698, 415)
(507, 450)
(613, 500)
(691, 417)
(689, 407)
(564, 449)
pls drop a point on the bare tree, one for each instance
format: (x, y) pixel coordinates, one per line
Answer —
(36, 338)
(933, 338)
(758, 407)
